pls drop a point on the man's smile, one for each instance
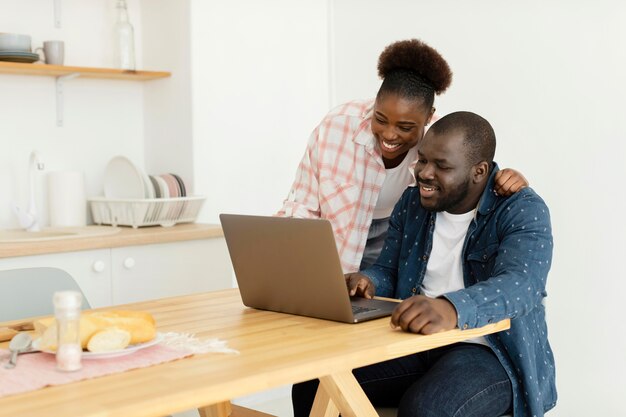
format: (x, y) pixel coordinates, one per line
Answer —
(427, 190)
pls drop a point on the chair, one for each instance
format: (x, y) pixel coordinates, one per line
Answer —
(28, 292)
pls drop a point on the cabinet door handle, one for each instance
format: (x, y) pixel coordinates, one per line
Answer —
(129, 263)
(98, 266)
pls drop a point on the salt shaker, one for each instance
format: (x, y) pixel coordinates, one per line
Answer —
(67, 313)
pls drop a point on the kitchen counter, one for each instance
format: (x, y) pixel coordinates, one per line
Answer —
(126, 237)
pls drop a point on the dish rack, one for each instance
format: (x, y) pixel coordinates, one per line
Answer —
(145, 212)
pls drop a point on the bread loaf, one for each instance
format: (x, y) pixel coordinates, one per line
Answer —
(140, 326)
(46, 328)
(108, 339)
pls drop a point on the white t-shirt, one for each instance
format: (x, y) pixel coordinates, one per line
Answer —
(396, 181)
(444, 271)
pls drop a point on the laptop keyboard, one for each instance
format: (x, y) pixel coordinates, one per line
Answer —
(359, 309)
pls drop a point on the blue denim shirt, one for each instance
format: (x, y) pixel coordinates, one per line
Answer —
(506, 258)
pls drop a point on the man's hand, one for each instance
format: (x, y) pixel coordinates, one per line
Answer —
(421, 314)
(509, 181)
(360, 285)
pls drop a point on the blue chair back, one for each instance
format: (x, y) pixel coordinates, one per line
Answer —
(28, 292)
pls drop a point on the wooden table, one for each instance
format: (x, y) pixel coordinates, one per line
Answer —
(276, 349)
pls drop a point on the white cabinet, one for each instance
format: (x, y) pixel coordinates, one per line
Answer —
(169, 269)
(91, 269)
(134, 273)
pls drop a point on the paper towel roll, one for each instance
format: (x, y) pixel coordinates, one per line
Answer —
(67, 204)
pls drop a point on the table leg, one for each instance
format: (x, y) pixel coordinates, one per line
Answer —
(347, 395)
(216, 410)
(239, 411)
(226, 409)
(323, 405)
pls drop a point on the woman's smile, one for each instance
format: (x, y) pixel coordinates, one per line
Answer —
(389, 146)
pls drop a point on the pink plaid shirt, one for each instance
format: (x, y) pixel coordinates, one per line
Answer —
(339, 178)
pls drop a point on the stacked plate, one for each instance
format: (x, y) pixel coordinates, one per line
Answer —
(16, 48)
(17, 56)
(168, 186)
(123, 179)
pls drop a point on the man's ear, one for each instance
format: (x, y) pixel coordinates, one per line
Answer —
(481, 172)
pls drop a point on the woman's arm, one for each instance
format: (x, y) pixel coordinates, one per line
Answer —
(303, 200)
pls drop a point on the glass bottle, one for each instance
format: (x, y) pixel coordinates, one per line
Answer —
(67, 313)
(124, 39)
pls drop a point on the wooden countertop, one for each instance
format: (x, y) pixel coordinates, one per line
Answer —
(125, 237)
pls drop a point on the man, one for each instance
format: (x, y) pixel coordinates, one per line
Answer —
(462, 256)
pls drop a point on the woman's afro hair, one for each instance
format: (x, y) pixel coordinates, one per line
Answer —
(415, 56)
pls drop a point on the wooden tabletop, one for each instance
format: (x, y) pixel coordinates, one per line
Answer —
(275, 349)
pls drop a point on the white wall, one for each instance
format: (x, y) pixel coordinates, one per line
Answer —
(103, 118)
(550, 78)
(260, 85)
(167, 102)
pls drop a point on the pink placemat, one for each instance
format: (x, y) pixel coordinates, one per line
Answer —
(38, 370)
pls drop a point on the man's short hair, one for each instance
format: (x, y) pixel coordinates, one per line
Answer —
(479, 138)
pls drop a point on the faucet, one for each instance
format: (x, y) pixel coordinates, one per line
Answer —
(28, 219)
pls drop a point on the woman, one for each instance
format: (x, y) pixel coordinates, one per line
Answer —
(359, 159)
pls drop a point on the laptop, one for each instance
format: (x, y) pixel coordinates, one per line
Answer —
(292, 266)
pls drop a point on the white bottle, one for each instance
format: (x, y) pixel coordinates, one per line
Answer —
(67, 313)
(124, 39)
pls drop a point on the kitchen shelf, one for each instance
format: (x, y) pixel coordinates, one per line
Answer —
(86, 72)
(64, 73)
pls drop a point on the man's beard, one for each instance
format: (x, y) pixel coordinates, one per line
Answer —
(453, 198)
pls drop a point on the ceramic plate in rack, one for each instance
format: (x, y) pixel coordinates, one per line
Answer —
(164, 190)
(113, 353)
(172, 185)
(149, 191)
(181, 185)
(122, 179)
(155, 185)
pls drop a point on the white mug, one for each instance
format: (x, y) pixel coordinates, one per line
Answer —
(53, 51)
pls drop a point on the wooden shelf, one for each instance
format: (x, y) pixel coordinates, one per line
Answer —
(85, 72)
(63, 73)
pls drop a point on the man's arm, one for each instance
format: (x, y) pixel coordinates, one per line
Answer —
(516, 284)
(384, 273)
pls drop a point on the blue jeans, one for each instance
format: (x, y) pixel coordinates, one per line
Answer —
(463, 379)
